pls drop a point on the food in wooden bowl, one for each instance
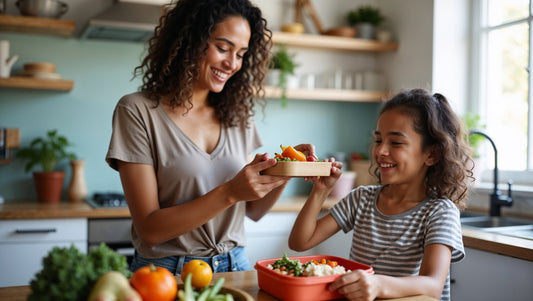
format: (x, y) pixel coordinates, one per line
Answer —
(293, 163)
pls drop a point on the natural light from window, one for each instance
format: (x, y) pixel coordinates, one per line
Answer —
(505, 83)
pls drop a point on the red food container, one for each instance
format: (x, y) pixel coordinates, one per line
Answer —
(313, 288)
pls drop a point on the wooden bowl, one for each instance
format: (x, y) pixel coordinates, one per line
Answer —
(343, 31)
(40, 67)
(238, 294)
(297, 28)
(299, 169)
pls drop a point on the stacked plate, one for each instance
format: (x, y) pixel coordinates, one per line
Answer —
(41, 70)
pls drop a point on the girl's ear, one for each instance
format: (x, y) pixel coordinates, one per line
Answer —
(433, 155)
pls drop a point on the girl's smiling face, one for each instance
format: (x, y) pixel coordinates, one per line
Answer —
(398, 150)
(227, 46)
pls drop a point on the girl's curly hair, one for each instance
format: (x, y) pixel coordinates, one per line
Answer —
(181, 40)
(434, 119)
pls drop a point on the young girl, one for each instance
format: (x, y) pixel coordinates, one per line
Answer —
(408, 228)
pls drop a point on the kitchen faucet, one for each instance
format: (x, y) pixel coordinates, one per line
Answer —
(496, 198)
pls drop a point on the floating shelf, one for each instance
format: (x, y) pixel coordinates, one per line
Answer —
(331, 42)
(328, 94)
(24, 24)
(22, 82)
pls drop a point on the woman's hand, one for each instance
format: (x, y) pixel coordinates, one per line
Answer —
(357, 285)
(250, 185)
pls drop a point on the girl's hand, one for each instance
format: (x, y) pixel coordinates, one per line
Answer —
(357, 285)
(329, 181)
(249, 185)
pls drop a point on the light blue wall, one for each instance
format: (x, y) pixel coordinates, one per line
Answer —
(102, 73)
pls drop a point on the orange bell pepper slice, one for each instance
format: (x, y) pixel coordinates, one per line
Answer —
(290, 152)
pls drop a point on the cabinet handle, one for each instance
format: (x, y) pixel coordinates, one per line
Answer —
(33, 231)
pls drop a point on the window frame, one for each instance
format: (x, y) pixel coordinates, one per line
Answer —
(479, 34)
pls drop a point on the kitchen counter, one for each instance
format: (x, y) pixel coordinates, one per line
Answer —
(34, 210)
(246, 281)
(491, 242)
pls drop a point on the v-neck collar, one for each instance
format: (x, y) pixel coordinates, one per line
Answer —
(213, 154)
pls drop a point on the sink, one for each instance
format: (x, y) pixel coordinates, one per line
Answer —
(505, 225)
(493, 222)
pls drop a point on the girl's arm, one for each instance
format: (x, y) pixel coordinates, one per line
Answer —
(307, 231)
(360, 285)
(156, 225)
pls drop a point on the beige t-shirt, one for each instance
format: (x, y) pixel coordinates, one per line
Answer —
(144, 133)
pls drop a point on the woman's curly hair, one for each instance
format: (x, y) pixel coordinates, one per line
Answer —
(439, 126)
(181, 40)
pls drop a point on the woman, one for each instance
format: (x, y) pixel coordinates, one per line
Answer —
(180, 144)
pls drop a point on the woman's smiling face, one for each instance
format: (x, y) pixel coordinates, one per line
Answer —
(227, 46)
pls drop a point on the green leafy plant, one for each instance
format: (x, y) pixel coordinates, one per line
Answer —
(365, 14)
(46, 152)
(68, 274)
(473, 122)
(283, 61)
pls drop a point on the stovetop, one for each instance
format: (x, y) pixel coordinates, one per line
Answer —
(108, 200)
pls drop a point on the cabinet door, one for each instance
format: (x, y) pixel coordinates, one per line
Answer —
(23, 244)
(20, 262)
(486, 276)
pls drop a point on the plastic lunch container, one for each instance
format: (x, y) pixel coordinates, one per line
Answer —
(290, 288)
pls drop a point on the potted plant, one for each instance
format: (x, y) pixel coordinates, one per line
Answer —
(365, 19)
(46, 152)
(282, 67)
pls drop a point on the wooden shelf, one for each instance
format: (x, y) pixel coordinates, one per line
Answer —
(24, 24)
(328, 94)
(22, 82)
(331, 42)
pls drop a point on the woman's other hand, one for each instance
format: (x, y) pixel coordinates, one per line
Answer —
(250, 185)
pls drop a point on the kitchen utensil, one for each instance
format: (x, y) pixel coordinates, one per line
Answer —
(42, 8)
(299, 169)
(6, 62)
(312, 288)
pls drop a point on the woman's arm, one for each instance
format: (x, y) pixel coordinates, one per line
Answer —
(360, 285)
(156, 225)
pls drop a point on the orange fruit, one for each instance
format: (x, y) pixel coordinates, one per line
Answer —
(201, 273)
(290, 152)
(154, 283)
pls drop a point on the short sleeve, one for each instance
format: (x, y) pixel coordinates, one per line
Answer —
(129, 139)
(444, 227)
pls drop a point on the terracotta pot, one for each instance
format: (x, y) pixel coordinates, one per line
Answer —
(49, 186)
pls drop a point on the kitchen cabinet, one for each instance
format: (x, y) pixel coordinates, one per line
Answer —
(46, 26)
(490, 276)
(269, 238)
(330, 43)
(24, 242)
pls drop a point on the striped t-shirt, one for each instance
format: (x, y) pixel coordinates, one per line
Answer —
(394, 244)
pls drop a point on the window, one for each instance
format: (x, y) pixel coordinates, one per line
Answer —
(503, 50)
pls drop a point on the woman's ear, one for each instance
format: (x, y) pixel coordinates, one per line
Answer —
(433, 155)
